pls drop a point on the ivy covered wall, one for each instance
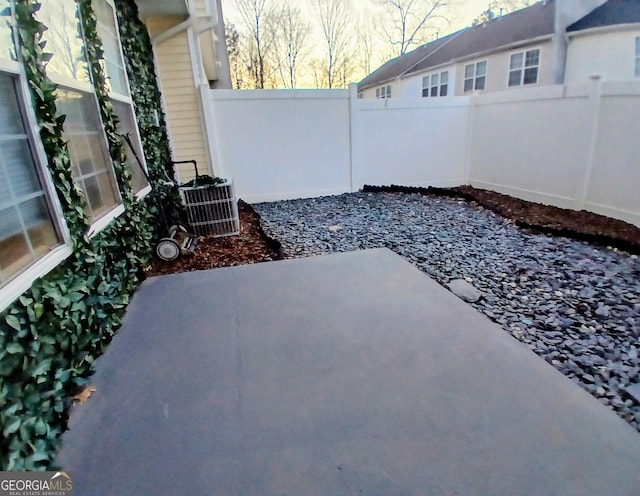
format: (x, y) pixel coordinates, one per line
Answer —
(51, 336)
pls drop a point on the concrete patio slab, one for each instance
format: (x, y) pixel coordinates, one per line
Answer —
(338, 375)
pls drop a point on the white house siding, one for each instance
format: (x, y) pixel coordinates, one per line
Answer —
(181, 99)
(498, 67)
(609, 54)
(369, 93)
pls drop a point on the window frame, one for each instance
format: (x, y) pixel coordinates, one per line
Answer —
(428, 79)
(637, 59)
(523, 68)
(24, 279)
(475, 76)
(124, 98)
(105, 219)
(102, 221)
(383, 91)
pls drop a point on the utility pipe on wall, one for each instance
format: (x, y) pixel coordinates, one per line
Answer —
(189, 22)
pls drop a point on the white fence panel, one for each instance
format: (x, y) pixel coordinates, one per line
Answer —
(533, 148)
(410, 142)
(614, 185)
(571, 146)
(283, 144)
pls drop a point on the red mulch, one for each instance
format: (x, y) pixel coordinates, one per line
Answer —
(250, 246)
(559, 221)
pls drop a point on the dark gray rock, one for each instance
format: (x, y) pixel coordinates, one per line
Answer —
(465, 291)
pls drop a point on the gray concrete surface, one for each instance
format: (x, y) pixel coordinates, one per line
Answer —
(348, 374)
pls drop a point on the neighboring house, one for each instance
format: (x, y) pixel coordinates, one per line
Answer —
(528, 47)
(605, 43)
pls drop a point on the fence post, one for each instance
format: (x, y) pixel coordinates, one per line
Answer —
(353, 99)
(211, 146)
(469, 140)
(595, 102)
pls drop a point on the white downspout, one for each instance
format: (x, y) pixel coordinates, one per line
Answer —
(183, 26)
(213, 16)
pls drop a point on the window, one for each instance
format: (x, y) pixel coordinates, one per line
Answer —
(523, 67)
(27, 230)
(32, 239)
(475, 76)
(435, 84)
(87, 144)
(637, 72)
(91, 165)
(7, 48)
(118, 86)
(384, 92)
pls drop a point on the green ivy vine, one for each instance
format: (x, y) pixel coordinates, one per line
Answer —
(51, 336)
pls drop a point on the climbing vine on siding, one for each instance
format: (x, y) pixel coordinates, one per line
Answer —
(51, 336)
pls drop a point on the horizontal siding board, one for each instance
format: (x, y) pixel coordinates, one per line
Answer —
(182, 104)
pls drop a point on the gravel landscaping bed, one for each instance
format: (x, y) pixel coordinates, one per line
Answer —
(575, 304)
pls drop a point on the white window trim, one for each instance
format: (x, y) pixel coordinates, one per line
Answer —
(22, 281)
(524, 51)
(475, 68)
(127, 99)
(13, 289)
(11, 66)
(427, 77)
(140, 195)
(71, 84)
(105, 219)
(636, 68)
(383, 92)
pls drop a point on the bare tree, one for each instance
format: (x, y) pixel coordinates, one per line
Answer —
(319, 73)
(408, 23)
(335, 19)
(233, 50)
(63, 38)
(290, 43)
(498, 7)
(258, 20)
(365, 42)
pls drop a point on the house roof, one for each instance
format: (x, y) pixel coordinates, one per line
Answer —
(608, 14)
(526, 24)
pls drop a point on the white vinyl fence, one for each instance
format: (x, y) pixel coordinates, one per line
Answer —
(570, 146)
(279, 144)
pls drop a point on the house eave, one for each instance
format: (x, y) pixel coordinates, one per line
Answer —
(604, 29)
(163, 8)
(502, 48)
